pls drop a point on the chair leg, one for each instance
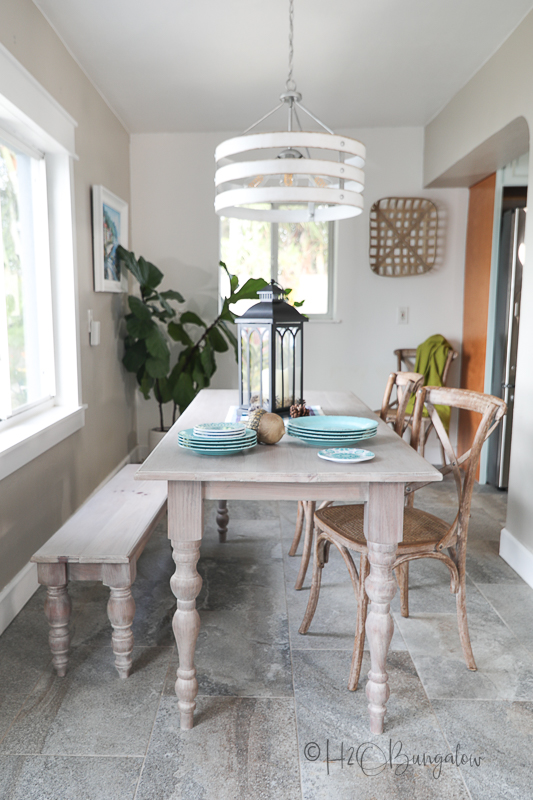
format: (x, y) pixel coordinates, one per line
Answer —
(362, 606)
(310, 506)
(318, 565)
(299, 527)
(463, 624)
(402, 576)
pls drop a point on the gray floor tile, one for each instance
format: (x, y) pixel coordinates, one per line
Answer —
(243, 645)
(68, 778)
(24, 656)
(260, 682)
(91, 711)
(239, 749)
(505, 666)
(501, 733)
(514, 604)
(484, 564)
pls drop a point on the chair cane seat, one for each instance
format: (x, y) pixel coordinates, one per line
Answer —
(419, 527)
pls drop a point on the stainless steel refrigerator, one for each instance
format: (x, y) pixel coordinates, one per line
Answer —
(511, 262)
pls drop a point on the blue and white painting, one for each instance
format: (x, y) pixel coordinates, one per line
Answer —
(111, 241)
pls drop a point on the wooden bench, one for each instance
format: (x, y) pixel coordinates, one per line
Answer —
(101, 542)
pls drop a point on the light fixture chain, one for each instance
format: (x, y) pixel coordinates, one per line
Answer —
(290, 84)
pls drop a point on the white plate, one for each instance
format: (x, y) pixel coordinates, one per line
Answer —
(220, 429)
(346, 455)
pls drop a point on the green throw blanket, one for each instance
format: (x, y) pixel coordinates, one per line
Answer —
(431, 358)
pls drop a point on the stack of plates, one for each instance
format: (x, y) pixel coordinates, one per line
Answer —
(324, 431)
(218, 438)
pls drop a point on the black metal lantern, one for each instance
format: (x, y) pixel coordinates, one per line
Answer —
(271, 352)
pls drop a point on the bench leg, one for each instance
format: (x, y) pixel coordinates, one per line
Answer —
(57, 608)
(121, 610)
(222, 520)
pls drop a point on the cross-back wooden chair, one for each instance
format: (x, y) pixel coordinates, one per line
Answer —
(400, 387)
(406, 358)
(424, 535)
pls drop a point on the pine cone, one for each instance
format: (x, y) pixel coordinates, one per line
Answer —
(299, 409)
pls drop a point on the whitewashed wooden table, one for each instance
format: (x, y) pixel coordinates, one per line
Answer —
(289, 470)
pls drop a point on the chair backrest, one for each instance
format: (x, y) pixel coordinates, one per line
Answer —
(406, 384)
(406, 358)
(464, 467)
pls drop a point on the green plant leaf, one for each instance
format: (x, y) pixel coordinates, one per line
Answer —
(217, 341)
(138, 308)
(145, 385)
(298, 303)
(178, 333)
(168, 308)
(199, 376)
(207, 359)
(183, 391)
(151, 275)
(190, 318)
(157, 346)
(127, 259)
(138, 328)
(135, 356)
(248, 290)
(157, 367)
(231, 337)
(162, 391)
(170, 294)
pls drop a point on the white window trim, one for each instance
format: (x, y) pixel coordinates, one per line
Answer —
(30, 113)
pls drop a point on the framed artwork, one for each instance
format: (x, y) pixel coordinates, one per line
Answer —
(110, 228)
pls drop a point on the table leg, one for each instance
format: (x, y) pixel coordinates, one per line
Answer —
(222, 520)
(383, 530)
(185, 528)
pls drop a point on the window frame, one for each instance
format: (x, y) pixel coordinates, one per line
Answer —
(33, 117)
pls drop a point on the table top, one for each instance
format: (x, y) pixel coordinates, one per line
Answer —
(289, 460)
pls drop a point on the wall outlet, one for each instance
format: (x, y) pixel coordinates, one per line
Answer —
(403, 315)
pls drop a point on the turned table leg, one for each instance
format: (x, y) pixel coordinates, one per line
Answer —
(121, 611)
(57, 607)
(222, 519)
(383, 529)
(185, 528)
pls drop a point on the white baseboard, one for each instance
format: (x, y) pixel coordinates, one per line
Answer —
(519, 557)
(16, 594)
(18, 591)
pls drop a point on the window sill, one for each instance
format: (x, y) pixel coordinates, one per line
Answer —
(35, 434)
(325, 320)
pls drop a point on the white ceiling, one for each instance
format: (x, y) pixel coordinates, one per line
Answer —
(218, 65)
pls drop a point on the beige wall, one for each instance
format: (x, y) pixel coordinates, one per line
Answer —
(485, 124)
(36, 499)
(175, 226)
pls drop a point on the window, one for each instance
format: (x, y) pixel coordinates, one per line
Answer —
(297, 255)
(26, 342)
(39, 359)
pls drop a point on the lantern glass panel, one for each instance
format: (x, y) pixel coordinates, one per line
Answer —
(255, 356)
(288, 365)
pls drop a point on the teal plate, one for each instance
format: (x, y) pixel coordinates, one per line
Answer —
(227, 451)
(343, 442)
(346, 455)
(337, 424)
(188, 439)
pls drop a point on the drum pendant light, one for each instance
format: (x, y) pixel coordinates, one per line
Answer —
(291, 175)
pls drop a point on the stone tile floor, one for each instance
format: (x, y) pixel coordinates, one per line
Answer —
(274, 717)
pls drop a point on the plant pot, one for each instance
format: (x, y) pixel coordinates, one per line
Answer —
(154, 437)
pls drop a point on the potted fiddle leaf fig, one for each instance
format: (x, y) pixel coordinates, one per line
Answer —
(154, 323)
